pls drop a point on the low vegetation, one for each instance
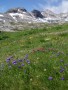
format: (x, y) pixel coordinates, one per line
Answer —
(34, 59)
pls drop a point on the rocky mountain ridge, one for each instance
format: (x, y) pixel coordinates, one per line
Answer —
(20, 18)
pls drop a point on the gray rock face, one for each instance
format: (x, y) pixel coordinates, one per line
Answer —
(20, 18)
(49, 13)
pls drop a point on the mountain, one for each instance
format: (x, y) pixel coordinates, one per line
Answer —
(37, 14)
(20, 18)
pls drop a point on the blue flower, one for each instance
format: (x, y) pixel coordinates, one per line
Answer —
(14, 62)
(8, 59)
(20, 60)
(28, 61)
(19, 66)
(23, 64)
(61, 70)
(62, 78)
(50, 78)
(26, 56)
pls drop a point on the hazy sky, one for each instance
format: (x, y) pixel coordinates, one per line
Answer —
(54, 5)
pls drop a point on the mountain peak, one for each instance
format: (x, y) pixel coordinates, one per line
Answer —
(48, 11)
(15, 18)
(37, 13)
(15, 10)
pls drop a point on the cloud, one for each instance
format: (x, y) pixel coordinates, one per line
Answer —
(56, 6)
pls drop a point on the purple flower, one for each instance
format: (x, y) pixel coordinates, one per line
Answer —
(62, 78)
(28, 61)
(19, 66)
(20, 60)
(26, 56)
(8, 59)
(23, 64)
(50, 78)
(61, 70)
(14, 62)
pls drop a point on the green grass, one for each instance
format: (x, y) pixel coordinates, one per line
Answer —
(47, 51)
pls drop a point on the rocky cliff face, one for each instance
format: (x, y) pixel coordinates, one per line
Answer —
(19, 18)
(37, 14)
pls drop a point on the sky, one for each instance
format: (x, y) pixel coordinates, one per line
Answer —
(56, 6)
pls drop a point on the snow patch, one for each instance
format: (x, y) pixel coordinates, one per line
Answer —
(42, 20)
(1, 15)
(14, 15)
(4, 21)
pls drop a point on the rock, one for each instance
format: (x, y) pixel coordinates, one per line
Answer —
(16, 10)
(37, 14)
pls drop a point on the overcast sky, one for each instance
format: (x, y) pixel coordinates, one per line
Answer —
(54, 5)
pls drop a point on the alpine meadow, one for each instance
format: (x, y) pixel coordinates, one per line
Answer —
(35, 59)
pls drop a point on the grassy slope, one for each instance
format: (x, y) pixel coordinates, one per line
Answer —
(45, 62)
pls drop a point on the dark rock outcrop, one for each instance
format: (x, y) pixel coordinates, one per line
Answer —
(37, 14)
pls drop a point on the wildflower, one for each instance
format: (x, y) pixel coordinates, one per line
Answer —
(20, 60)
(19, 66)
(14, 62)
(8, 59)
(30, 79)
(61, 70)
(50, 78)
(26, 56)
(30, 37)
(28, 61)
(23, 64)
(37, 57)
(44, 69)
(62, 78)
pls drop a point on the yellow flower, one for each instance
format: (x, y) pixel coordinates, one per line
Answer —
(44, 70)
(30, 37)
(37, 58)
(30, 79)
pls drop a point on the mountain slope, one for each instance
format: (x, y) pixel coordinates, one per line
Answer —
(13, 18)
